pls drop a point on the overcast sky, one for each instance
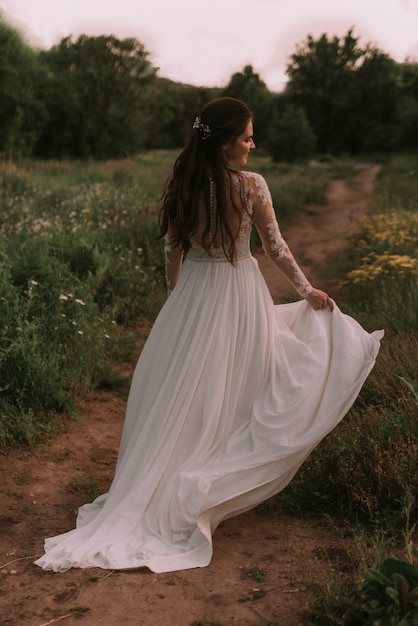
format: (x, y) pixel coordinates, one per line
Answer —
(205, 42)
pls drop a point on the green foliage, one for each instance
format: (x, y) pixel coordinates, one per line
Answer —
(78, 261)
(384, 279)
(407, 109)
(95, 97)
(89, 486)
(249, 87)
(100, 97)
(171, 109)
(294, 185)
(398, 184)
(349, 93)
(367, 469)
(290, 136)
(79, 264)
(46, 344)
(257, 574)
(385, 595)
(374, 114)
(411, 385)
(388, 597)
(21, 108)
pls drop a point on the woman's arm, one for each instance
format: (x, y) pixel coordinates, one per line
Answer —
(276, 248)
(173, 256)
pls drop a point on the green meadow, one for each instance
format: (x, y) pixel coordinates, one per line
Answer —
(80, 268)
(81, 272)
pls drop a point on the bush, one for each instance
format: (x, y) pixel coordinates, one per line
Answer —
(290, 137)
(78, 261)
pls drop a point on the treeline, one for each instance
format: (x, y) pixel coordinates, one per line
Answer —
(101, 97)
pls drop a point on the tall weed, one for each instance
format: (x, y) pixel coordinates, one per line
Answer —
(78, 261)
(369, 465)
(366, 471)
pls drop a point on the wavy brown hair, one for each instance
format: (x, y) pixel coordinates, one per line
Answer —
(202, 158)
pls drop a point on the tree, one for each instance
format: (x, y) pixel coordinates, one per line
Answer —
(348, 92)
(320, 73)
(21, 109)
(95, 96)
(172, 108)
(290, 137)
(407, 106)
(251, 89)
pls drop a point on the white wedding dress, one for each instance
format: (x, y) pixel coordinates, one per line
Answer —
(230, 395)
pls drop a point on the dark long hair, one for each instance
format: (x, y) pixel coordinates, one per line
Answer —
(203, 157)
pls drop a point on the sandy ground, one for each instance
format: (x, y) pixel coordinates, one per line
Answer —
(266, 561)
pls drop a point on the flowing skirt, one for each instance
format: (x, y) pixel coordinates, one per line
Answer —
(230, 395)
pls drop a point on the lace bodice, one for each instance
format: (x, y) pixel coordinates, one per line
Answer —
(258, 210)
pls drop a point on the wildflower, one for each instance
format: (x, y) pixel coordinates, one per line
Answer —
(375, 266)
(80, 302)
(63, 297)
(80, 332)
(34, 282)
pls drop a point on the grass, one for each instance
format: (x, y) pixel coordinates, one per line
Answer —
(80, 269)
(81, 272)
(88, 486)
(79, 264)
(257, 574)
(366, 472)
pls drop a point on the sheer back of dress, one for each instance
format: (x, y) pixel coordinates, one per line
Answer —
(252, 197)
(237, 216)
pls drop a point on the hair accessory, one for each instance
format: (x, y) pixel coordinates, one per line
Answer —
(202, 128)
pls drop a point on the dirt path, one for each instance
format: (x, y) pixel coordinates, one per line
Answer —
(41, 490)
(320, 235)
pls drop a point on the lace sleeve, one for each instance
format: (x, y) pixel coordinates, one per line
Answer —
(274, 245)
(173, 260)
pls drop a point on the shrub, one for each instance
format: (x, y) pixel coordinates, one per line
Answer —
(290, 137)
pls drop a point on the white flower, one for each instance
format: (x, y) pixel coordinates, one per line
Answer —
(80, 332)
(63, 297)
(34, 282)
(80, 302)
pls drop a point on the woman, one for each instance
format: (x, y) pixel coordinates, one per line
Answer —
(231, 393)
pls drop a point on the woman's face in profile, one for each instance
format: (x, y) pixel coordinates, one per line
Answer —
(238, 151)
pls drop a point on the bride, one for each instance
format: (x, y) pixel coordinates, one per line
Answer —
(231, 392)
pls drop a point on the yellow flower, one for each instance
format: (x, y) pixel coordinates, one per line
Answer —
(380, 265)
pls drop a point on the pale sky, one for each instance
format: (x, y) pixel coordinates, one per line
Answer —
(205, 42)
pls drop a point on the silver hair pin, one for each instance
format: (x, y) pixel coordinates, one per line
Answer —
(203, 128)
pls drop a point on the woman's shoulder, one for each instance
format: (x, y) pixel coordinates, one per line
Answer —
(249, 178)
(254, 183)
